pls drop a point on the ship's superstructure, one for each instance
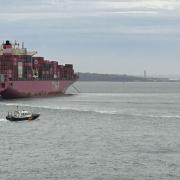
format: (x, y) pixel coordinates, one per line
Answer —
(24, 75)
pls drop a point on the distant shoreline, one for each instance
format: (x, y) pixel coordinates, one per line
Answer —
(120, 78)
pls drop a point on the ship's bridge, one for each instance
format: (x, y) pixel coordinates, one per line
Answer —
(9, 48)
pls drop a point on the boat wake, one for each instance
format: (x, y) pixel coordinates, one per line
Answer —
(1, 120)
(99, 111)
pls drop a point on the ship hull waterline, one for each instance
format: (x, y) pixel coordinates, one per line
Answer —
(33, 117)
(39, 88)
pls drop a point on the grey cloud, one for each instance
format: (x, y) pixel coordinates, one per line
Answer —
(88, 6)
(136, 33)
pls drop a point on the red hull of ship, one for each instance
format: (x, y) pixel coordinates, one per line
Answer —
(22, 89)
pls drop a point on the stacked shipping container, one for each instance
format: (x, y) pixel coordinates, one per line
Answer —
(24, 67)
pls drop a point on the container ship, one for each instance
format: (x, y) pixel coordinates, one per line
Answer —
(22, 74)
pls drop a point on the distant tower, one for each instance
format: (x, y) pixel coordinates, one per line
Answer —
(145, 74)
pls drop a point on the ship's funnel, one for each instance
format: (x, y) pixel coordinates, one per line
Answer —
(8, 42)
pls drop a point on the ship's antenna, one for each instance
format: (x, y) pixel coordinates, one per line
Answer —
(22, 45)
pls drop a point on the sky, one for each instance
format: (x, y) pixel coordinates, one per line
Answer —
(99, 36)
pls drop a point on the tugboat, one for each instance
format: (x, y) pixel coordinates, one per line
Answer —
(21, 115)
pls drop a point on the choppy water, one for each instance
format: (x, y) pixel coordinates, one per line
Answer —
(109, 131)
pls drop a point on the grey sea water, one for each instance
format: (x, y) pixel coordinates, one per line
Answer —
(108, 131)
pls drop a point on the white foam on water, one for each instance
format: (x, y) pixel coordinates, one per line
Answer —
(1, 120)
(165, 116)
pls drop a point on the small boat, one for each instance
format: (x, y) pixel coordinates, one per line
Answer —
(21, 116)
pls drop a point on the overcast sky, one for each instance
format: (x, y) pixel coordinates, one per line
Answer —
(102, 36)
